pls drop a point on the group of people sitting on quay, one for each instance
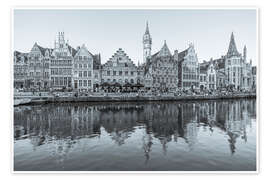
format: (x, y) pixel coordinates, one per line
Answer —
(131, 91)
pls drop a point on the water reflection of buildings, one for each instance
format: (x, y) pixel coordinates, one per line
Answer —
(119, 120)
(63, 125)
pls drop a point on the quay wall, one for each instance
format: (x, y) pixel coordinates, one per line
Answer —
(45, 100)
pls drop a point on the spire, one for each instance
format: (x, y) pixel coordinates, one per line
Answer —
(232, 51)
(147, 28)
(164, 50)
(245, 53)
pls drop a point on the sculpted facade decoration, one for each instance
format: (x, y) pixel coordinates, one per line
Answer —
(161, 70)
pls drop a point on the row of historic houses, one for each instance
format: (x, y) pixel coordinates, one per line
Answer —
(64, 67)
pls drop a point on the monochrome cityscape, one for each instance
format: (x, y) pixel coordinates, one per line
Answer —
(128, 106)
(68, 68)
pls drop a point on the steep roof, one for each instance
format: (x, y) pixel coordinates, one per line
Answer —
(182, 54)
(232, 51)
(154, 55)
(220, 63)
(72, 50)
(19, 56)
(97, 61)
(16, 53)
(42, 49)
(164, 50)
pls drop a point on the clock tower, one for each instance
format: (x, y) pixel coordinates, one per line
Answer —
(147, 43)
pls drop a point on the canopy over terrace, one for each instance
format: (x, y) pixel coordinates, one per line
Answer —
(117, 87)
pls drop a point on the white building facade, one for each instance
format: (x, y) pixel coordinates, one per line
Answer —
(83, 70)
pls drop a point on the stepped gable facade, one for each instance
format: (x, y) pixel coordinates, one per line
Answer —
(119, 69)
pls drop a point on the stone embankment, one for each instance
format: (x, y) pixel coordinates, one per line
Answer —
(123, 98)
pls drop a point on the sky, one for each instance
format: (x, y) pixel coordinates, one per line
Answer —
(105, 31)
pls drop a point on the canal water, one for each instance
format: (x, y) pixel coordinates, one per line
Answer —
(158, 136)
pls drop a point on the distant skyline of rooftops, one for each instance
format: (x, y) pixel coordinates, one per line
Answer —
(105, 31)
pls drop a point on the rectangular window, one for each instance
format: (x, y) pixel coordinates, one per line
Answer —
(61, 81)
(80, 83)
(126, 73)
(108, 73)
(114, 73)
(89, 74)
(85, 74)
(69, 81)
(80, 73)
(52, 81)
(56, 81)
(84, 83)
(84, 65)
(132, 73)
(120, 73)
(89, 83)
(65, 81)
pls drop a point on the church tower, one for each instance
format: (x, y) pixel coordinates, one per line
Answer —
(147, 43)
(233, 66)
(232, 51)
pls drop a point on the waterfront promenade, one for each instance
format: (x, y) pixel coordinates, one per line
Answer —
(117, 97)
